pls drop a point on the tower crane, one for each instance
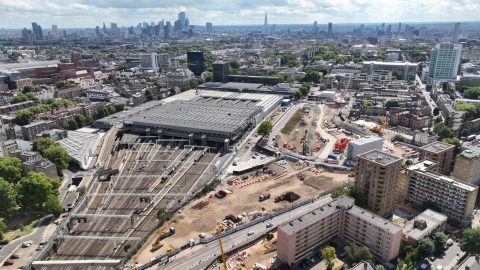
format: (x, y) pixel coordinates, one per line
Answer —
(219, 236)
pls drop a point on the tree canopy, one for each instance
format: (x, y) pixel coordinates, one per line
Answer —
(439, 240)
(312, 76)
(35, 188)
(329, 254)
(425, 248)
(470, 242)
(472, 92)
(357, 254)
(52, 151)
(8, 198)
(442, 130)
(265, 128)
(10, 169)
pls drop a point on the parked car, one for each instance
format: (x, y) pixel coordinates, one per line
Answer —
(8, 262)
(269, 225)
(250, 233)
(15, 256)
(26, 244)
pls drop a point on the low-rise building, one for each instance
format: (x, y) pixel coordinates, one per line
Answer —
(425, 185)
(423, 225)
(363, 145)
(298, 238)
(31, 130)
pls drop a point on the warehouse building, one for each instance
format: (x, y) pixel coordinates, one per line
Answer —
(299, 238)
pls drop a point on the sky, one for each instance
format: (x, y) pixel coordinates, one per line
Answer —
(89, 13)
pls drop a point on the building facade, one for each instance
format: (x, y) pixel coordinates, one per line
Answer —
(376, 178)
(196, 62)
(455, 199)
(362, 145)
(467, 165)
(441, 153)
(298, 238)
(444, 62)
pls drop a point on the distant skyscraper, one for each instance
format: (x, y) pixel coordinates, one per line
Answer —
(330, 28)
(37, 31)
(55, 31)
(265, 24)
(114, 29)
(167, 30)
(97, 31)
(209, 27)
(389, 30)
(456, 32)
(399, 28)
(104, 28)
(444, 62)
(27, 36)
(149, 61)
(315, 27)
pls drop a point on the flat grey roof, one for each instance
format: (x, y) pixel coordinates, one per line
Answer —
(379, 157)
(202, 113)
(437, 147)
(472, 262)
(373, 219)
(433, 219)
(366, 140)
(365, 265)
(472, 150)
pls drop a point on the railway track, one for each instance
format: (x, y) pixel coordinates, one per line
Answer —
(141, 157)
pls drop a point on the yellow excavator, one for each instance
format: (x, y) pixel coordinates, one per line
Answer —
(379, 129)
(219, 237)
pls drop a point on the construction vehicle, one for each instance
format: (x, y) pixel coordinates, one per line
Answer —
(156, 246)
(219, 236)
(341, 145)
(305, 143)
(170, 248)
(166, 233)
(379, 129)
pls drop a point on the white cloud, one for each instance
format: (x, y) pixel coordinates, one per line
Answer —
(88, 13)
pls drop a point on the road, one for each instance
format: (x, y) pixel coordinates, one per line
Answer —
(428, 98)
(66, 182)
(449, 259)
(203, 256)
(283, 121)
(327, 148)
(35, 237)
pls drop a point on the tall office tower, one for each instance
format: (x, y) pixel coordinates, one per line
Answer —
(383, 27)
(456, 32)
(221, 70)
(104, 28)
(27, 36)
(55, 31)
(37, 31)
(330, 30)
(97, 31)
(209, 27)
(265, 24)
(376, 177)
(196, 62)
(114, 29)
(399, 27)
(444, 62)
(131, 31)
(441, 153)
(389, 30)
(167, 30)
(144, 25)
(315, 27)
(163, 60)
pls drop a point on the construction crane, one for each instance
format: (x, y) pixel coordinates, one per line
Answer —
(219, 236)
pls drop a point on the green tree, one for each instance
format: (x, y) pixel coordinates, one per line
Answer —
(312, 76)
(40, 144)
(439, 239)
(23, 117)
(304, 89)
(72, 124)
(391, 104)
(367, 103)
(57, 155)
(329, 254)
(297, 95)
(472, 93)
(265, 128)
(8, 198)
(425, 248)
(33, 190)
(52, 205)
(380, 267)
(357, 254)
(10, 169)
(442, 130)
(148, 95)
(470, 242)
(454, 141)
(398, 138)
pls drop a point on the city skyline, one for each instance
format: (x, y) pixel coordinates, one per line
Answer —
(87, 13)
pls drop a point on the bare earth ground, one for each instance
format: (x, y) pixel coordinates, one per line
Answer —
(190, 223)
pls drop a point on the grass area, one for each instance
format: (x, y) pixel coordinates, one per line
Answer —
(22, 231)
(292, 123)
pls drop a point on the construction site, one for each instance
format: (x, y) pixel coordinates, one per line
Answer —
(300, 134)
(239, 200)
(143, 181)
